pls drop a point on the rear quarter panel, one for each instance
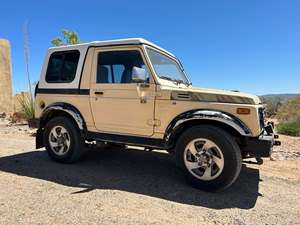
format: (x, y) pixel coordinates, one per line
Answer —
(81, 81)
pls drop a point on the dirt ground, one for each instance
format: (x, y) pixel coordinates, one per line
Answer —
(138, 187)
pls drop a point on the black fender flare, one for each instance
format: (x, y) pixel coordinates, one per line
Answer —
(66, 108)
(204, 114)
(69, 109)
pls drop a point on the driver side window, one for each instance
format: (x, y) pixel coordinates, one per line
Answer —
(117, 66)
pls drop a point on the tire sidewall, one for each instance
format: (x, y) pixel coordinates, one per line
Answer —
(75, 140)
(229, 148)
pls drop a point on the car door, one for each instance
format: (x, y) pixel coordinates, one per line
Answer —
(120, 105)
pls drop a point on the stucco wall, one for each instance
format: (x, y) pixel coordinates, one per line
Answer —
(6, 100)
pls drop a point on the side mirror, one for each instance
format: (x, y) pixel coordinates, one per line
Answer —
(138, 75)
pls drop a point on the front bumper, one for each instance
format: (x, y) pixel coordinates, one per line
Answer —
(261, 146)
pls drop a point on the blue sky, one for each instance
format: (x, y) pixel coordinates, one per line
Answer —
(252, 46)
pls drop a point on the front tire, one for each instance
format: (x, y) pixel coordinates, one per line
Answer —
(209, 157)
(63, 140)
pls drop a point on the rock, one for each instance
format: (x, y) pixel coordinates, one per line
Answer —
(18, 117)
(3, 115)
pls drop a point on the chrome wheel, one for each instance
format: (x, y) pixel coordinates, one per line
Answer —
(59, 140)
(203, 159)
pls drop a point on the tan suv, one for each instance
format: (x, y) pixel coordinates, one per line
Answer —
(132, 92)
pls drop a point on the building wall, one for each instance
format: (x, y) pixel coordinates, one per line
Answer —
(6, 99)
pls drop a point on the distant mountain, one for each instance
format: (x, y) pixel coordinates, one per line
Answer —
(282, 96)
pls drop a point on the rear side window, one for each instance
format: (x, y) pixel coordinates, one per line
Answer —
(62, 67)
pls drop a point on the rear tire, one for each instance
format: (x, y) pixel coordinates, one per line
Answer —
(63, 140)
(209, 157)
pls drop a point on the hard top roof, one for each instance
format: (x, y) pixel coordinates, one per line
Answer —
(127, 41)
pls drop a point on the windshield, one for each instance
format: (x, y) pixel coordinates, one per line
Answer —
(166, 68)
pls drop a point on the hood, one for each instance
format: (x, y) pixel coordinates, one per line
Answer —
(216, 95)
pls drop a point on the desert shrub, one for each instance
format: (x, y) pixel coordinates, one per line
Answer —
(290, 111)
(273, 103)
(289, 117)
(292, 128)
(26, 106)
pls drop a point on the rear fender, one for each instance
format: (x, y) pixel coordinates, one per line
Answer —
(58, 107)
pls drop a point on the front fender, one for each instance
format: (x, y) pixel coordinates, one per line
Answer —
(206, 114)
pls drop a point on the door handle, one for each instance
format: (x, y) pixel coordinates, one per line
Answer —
(99, 92)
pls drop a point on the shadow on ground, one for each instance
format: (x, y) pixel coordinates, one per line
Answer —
(147, 173)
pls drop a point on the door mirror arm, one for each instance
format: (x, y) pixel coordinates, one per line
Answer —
(143, 85)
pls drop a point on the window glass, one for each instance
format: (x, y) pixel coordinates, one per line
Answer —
(62, 67)
(54, 66)
(70, 66)
(165, 67)
(118, 72)
(120, 64)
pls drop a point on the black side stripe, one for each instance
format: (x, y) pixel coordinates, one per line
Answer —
(69, 91)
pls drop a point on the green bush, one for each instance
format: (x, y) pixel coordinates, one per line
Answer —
(289, 128)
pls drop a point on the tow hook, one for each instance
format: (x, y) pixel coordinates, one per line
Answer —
(277, 143)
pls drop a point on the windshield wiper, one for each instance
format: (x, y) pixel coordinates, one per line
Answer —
(166, 78)
(179, 81)
(176, 81)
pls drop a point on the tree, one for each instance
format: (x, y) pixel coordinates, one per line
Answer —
(69, 37)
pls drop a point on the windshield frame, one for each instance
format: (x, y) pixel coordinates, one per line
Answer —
(173, 59)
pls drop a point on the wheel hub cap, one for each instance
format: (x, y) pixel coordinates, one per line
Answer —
(59, 140)
(203, 159)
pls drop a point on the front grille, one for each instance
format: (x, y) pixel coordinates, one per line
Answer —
(261, 114)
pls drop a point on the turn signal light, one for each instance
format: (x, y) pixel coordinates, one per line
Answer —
(243, 111)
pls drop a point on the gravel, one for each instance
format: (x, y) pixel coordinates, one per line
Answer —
(136, 187)
(288, 150)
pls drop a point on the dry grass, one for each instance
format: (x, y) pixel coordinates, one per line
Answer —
(26, 106)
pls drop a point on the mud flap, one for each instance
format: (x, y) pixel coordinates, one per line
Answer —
(39, 143)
